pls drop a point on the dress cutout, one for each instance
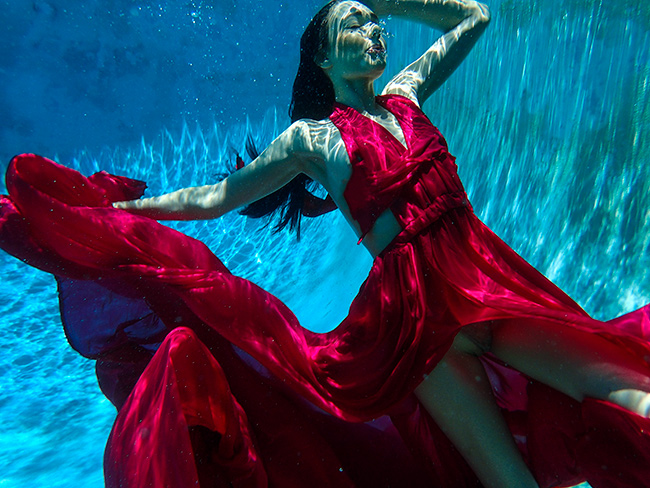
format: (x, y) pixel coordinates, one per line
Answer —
(444, 271)
(385, 174)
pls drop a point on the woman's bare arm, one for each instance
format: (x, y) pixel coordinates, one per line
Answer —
(463, 22)
(278, 164)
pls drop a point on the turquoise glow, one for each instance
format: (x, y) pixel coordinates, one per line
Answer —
(548, 118)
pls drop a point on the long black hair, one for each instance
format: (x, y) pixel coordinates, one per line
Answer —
(313, 91)
(312, 97)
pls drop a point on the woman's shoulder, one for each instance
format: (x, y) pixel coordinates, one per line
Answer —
(403, 85)
(306, 126)
(302, 131)
(313, 135)
(319, 142)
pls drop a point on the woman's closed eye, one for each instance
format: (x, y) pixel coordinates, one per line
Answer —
(367, 28)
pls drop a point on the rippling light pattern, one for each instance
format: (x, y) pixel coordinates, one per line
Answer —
(549, 120)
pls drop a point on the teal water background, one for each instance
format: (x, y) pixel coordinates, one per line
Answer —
(548, 118)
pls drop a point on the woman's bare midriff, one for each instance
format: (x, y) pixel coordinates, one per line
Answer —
(386, 228)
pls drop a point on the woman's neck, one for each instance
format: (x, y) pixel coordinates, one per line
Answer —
(358, 94)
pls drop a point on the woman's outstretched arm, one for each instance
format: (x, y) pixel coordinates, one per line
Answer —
(462, 21)
(285, 158)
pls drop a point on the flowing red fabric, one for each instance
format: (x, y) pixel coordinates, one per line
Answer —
(162, 315)
(192, 408)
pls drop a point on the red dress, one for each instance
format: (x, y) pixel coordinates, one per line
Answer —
(205, 410)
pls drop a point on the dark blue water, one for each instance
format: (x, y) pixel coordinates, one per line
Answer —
(548, 118)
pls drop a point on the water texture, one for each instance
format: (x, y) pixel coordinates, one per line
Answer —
(548, 118)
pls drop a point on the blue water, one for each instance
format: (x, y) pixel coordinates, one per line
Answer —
(548, 118)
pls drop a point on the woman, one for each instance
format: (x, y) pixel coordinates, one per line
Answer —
(456, 391)
(448, 312)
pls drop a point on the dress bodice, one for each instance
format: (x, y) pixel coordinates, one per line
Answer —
(418, 182)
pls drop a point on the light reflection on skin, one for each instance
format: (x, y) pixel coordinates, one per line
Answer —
(315, 148)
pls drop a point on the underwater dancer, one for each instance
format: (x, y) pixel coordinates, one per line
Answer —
(387, 169)
(453, 334)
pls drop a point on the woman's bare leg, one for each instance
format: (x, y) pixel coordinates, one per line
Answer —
(577, 363)
(458, 396)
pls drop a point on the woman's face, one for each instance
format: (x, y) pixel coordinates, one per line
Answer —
(356, 46)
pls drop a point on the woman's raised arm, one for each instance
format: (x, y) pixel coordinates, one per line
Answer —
(462, 21)
(279, 163)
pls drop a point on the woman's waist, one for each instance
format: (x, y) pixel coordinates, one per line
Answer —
(385, 229)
